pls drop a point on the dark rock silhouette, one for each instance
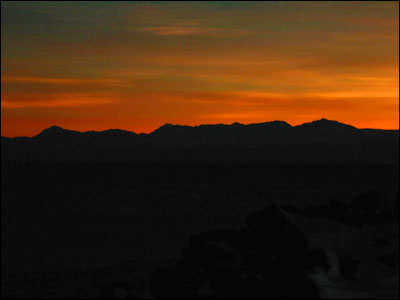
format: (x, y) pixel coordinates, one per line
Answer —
(274, 234)
(373, 202)
(322, 141)
(230, 238)
(268, 260)
(349, 267)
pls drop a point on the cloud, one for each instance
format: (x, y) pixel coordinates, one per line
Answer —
(183, 61)
(53, 101)
(60, 81)
(192, 30)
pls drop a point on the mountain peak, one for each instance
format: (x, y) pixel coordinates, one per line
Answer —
(323, 120)
(54, 130)
(280, 123)
(116, 131)
(325, 123)
(166, 125)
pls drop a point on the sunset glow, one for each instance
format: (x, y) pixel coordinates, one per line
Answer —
(137, 65)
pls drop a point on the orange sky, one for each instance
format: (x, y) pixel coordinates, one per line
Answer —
(138, 65)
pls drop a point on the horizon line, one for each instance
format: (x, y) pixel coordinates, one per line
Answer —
(214, 124)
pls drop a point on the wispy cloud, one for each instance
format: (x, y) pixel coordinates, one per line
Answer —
(192, 30)
(61, 81)
(55, 101)
(141, 64)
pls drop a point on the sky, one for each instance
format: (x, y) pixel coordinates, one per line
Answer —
(138, 65)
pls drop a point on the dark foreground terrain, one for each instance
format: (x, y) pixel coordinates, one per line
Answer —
(69, 229)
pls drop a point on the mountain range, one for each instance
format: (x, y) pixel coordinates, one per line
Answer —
(322, 141)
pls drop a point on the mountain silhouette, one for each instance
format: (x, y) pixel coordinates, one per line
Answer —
(322, 141)
(55, 130)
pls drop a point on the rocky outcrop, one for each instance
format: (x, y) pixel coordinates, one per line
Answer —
(268, 259)
(272, 257)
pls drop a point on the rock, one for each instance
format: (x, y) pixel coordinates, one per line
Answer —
(349, 267)
(315, 259)
(164, 284)
(214, 254)
(186, 280)
(236, 239)
(271, 258)
(390, 260)
(275, 235)
(371, 203)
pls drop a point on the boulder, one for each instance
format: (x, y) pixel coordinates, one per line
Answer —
(164, 284)
(372, 203)
(275, 235)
